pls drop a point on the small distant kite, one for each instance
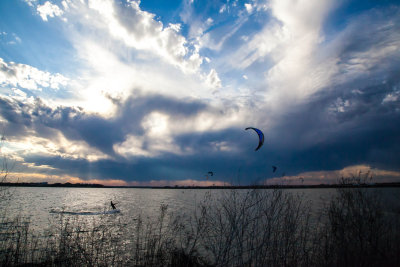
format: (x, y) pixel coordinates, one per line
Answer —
(260, 136)
(211, 173)
(274, 168)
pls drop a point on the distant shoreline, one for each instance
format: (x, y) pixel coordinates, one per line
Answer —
(69, 185)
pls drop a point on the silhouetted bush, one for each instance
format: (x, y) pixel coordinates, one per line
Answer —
(357, 232)
(255, 228)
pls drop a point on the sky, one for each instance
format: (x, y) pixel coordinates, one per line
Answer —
(128, 92)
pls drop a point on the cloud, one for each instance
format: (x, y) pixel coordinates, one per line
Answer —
(215, 39)
(248, 7)
(146, 131)
(120, 32)
(213, 80)
(144, 116)
(138, 29)
(296, 73)
(120, 47)
(299, 62)
(28, 77)
(369, 45)
(392, 96)
(31, 2)
(361, 130)
(222, 9)
(10, 39)
(268, 42)
(353, 174)
(285, 58)
(48, 10)
(154, 137)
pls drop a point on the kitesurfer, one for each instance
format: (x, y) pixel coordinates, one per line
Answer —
(113, 205)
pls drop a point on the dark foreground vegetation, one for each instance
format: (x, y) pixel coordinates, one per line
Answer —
(240, 228)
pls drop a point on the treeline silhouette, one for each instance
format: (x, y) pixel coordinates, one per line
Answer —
(45, 184)
(281, 186)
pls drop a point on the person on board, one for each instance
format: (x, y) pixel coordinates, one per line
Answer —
(113, 205)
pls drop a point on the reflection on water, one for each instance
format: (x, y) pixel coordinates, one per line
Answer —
(41, 204)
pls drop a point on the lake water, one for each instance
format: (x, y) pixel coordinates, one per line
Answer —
(43, 204)
(77, 223)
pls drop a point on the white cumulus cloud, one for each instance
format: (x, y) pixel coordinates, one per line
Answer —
(48, 10)
(28, 77)
(213, 80)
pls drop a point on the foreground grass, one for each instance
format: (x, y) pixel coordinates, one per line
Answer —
(239, 228)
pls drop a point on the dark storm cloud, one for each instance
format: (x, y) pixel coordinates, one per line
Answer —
(341, 128)
(334, 130)
(72, 122)
(16, 117)
(133, 110)
(98, 132)
(324, 134)
(169, 166)
(206, 142)
(369, 43)
(102, 133)
(377, 27)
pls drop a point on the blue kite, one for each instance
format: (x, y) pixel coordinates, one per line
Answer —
(260, 136)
